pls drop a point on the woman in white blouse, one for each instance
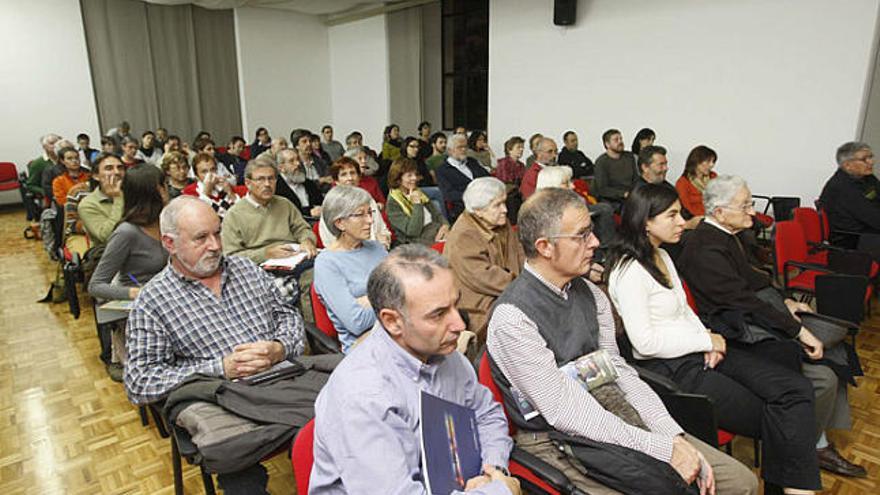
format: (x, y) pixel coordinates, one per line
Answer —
(753, 396)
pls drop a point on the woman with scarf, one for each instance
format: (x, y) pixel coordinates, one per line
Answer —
(411, 213)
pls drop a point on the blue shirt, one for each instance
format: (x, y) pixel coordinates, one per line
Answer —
(341, 278)
(367, 419)
(178, 327)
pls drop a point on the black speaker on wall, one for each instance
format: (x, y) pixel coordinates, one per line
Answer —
(564, 12)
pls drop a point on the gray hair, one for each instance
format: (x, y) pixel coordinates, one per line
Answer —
(50, 138)
(128, 140)
(553, 177)
(455, 138)
(63, 143)
(168, 218)
(541, 215)
(340, 202)
(480, 192)
(847, 151)
(385, 288)
(720, 191)
(259, 162)
(353, 152)
(281, 156)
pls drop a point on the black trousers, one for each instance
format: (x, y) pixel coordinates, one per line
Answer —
(758, 398)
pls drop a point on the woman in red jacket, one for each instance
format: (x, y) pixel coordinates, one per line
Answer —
(697, 173)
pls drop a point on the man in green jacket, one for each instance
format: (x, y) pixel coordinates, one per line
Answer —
(37, 165)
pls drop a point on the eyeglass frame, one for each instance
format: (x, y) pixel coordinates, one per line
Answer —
(743, 209)
(582, 238)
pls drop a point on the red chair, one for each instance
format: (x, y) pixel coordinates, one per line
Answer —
(316, 228)
(322, 318)
(517, 456)
(9, 184)
(438, 246)
(302, 456)
(817, 247)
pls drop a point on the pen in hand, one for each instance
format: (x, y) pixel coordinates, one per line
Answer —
(133, 279)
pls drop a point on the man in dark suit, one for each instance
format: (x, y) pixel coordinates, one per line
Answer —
(456, 173)
(851, 197)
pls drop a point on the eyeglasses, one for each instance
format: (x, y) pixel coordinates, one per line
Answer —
(365, 214)
(750, 206)
(865, 158)
(583, 238)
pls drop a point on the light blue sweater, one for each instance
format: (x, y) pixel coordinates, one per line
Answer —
(341, 278)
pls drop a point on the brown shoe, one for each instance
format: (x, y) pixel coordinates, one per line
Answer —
(831, 460)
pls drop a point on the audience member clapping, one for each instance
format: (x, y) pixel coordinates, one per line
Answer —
(483, 251)
(341, 271)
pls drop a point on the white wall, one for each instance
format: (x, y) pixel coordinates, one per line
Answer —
(432, 68)
(45, 84)
(284, 76)
(359, 82)
(773, 87)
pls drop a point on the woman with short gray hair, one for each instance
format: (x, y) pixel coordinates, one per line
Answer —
(483, 251)
(342, 269)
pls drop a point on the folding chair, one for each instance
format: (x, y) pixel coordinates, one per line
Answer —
(302, 456)
(323, 337)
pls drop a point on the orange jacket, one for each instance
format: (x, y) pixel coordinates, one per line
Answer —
(691, 198)
(63, 183)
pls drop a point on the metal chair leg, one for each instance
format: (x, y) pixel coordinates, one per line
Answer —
(142, 411)
(208, 481)
(160, 421)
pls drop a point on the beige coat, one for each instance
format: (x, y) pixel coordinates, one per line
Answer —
(484, 261)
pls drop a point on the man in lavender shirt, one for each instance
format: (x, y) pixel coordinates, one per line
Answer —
(367, 416)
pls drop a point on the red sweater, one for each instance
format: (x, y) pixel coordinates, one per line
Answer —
(691, 198)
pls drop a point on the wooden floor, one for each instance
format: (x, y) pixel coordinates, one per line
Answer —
(65, 427)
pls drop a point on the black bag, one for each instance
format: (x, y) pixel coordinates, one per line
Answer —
(622, 469)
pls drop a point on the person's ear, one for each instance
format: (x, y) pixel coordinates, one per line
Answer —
(544, 247)
(392, 321)
(338, 224)
(168, 243)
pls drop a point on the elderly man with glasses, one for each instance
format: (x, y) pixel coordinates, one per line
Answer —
(852, 195)
(727, 288)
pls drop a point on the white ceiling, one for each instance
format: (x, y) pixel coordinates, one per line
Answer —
(313, 7)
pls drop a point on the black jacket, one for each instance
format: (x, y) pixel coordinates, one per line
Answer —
(452, 184)
(852, 204)
(315, 196)
(720, 277)
(581, 166)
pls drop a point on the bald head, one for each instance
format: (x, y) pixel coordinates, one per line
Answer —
(180, 211)
(546, 152)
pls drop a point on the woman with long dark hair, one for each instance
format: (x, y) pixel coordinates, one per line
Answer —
(645, 137)
(753, 395)
(478, 149)
(134, 253)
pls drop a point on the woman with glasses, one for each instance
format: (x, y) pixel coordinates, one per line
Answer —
(483, 250)
(753, 395)
(342, 269)
(347, 172)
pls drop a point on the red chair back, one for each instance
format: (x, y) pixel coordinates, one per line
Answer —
(8, 172)
(484, 375)
(790, 244)
(316, 228)
(302, 456)
(438, 246)
(246, 154)
(808, 219)
(322, 319)
(690, 297)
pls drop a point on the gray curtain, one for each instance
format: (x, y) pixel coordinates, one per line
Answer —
(168, 66)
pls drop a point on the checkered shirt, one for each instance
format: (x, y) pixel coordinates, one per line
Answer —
(178, 327)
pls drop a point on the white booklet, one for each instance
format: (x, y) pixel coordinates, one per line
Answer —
(288, 263)
(591, 371)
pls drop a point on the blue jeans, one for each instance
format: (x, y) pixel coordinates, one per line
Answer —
(433, 193)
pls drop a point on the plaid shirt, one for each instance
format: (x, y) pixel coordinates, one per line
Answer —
(178, 327)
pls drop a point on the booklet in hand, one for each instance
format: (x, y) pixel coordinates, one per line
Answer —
(591, 371)
(450, 444)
